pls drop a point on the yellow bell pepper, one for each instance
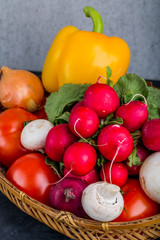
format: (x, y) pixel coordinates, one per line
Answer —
(77, 56)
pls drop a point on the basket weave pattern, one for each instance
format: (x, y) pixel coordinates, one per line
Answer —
(78, 228)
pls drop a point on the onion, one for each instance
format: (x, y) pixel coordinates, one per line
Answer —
(66, 195)
(20, 88)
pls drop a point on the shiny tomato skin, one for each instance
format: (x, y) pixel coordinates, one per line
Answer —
(33, 176)
(11, 125)
(137, 205)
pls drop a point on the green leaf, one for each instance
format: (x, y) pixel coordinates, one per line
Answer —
(110, 82)
(153, 102)
(101, 160)
(110, 119)
(104, 122)
(63, 100)
(64, 118)
(116, 120)
(85, 140)
(58, 167)
(26, 122)
(134, 159)
(136, 137)
(129, 85)
(61, 168)
(109, 72)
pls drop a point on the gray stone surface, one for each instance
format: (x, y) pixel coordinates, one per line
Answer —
(17, 225)
(27, 29)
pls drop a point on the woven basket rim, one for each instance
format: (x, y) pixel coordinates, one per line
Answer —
(66, 216)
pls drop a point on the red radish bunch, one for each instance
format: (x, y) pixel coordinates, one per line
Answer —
(102, 98)
(151, 134)
(80, 158)
(115, 141)
(88, 137)
(58, 139)
(84, 122)
(134, 115)
(116, 174)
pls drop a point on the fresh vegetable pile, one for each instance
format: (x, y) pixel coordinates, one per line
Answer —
(95, 152)
(90, 148)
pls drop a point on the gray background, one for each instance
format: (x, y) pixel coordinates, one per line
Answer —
(27, 29)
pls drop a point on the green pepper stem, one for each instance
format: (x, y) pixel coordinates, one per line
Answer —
(96, 18)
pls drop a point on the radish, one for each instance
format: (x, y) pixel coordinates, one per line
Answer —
(102, 201)
(80, 158)
(134, 115)
(91, 177)
(102, 98)
(115, 143)
(135, 160)
(115, 173)
(151, 134)
(150, 176)
(83, 122)
(78, 104)
(33, 135)
(58, 139)
(66, 195)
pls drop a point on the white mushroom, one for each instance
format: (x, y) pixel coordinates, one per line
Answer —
(150, 176)
(34, 134)
(102, 201)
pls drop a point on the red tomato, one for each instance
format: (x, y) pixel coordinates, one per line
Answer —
(33, 176)
(11, 125)
(137, 204)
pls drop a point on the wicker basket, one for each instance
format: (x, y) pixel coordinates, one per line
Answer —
(78, 228)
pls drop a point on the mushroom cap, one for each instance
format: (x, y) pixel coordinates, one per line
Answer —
(34, 134)
(102, 201)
